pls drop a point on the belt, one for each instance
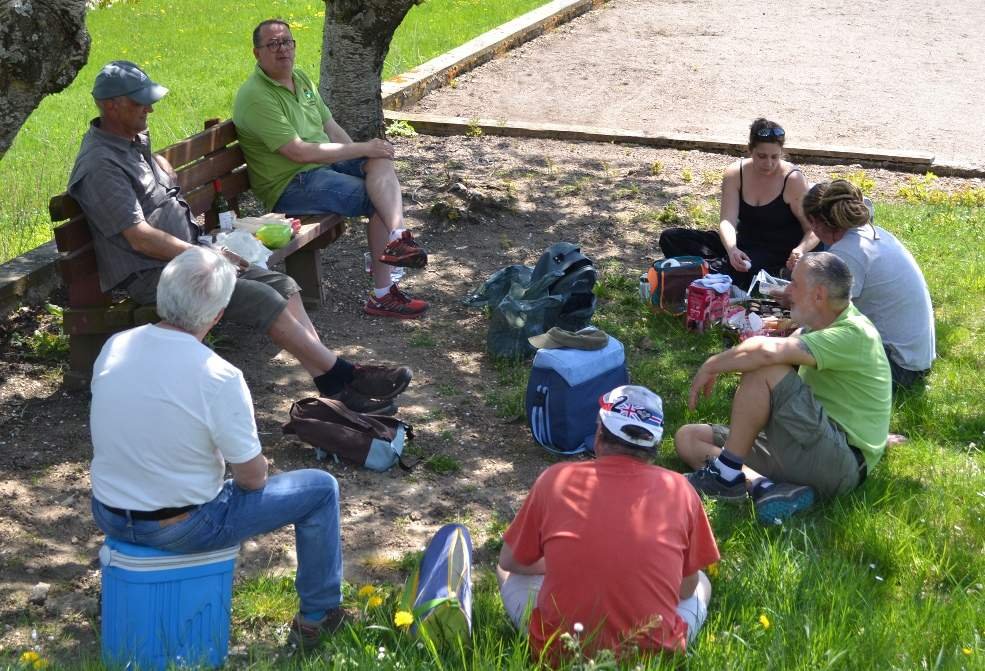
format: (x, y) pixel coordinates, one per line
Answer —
(154, 515)
(863, 470)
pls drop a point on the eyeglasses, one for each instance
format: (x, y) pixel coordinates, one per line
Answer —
(277, 45)
(776, 131)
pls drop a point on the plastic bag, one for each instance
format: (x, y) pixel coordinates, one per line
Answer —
(244, 244)
(769, 286)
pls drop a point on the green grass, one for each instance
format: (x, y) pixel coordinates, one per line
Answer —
(203, 62)
(888, 577)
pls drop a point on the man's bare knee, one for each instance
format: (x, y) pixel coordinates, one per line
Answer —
(694, 444)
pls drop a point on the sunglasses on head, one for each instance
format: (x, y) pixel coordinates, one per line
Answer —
(776, 131)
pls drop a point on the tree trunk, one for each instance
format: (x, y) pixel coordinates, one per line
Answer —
(356, 41)
(43, 45)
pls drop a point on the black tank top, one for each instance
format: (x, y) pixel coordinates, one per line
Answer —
(768, 232)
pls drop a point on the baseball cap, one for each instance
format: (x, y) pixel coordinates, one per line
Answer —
(589, 338)
(123, 78)
(632, 405)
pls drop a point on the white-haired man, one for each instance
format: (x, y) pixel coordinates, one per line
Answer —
(139, 222)
(615, 544)
(168, 414)
(796, 434)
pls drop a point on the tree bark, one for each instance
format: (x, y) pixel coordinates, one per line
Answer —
(356, 41)
(43, 45)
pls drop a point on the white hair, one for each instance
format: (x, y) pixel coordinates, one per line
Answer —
(194, 287)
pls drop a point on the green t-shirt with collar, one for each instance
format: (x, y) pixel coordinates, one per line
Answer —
(852, 380)
(268, 116)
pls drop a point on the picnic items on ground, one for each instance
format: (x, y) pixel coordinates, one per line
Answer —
(707, 299)
(438, 592)
(375, 442)
(664, 286)
(563, 391)
(757, 317)
(769, 286)
(526, 301)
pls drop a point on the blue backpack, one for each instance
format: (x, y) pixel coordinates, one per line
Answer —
(563, 393)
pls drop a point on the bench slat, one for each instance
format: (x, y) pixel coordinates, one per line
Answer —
(79, 264)
(312, 228)
(211, 168)
(62, 207)
(201, 198)
(73, 234)
(198, 145)
(100, 320)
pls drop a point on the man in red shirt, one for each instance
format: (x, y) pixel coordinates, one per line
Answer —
(610, 550)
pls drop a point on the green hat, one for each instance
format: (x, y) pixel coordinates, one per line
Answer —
(587, 338)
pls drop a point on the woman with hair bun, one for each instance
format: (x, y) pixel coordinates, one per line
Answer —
(762, 225)
(887, 285)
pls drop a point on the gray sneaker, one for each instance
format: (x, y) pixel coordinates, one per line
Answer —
(779, 502)
(708, 481)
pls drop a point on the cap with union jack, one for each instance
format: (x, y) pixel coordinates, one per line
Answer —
(633, 406)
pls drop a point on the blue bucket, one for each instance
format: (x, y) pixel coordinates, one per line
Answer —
(161, 608)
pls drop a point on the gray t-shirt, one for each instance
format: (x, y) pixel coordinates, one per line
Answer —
(889, 289)
(119, 184)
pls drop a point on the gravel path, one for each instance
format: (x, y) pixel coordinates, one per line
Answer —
(901, 75)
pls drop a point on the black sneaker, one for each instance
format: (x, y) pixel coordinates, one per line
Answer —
(379, 382)
(781, 500)
(307, 636)
(709, 481)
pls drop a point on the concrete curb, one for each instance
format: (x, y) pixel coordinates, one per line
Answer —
(28, 277)
(406, 89)
(903, 161)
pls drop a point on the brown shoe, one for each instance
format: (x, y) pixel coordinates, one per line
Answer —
(307, 636)
(378, 382)
(364, 404)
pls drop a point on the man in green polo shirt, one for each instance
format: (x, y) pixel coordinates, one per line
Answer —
(796, 434)
(301, 161)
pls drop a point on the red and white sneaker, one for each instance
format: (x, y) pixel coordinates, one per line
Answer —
(405, 252)
(395, 304)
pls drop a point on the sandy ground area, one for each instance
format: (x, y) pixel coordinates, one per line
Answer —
(902, 75)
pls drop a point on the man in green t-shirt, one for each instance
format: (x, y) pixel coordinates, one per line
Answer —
(300, 161)
(796, 435)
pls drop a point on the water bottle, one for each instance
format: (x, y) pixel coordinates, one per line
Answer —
(396, 272)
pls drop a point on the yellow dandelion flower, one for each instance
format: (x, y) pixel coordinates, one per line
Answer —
(40, 664)
(30, 657)
(375, 601)
(764, 621)
(967, 651)
(713, 570)
(366, 591)
(403, 618)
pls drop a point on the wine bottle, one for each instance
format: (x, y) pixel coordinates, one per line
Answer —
(226, 215)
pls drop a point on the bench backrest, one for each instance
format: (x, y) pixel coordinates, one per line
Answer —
(198, 160)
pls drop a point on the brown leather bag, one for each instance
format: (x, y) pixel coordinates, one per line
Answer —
(375, 442)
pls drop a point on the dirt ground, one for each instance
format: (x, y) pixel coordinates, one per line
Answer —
(508, 199)
(883, 75)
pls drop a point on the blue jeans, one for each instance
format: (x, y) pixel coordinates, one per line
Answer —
(309, 499)
(338, 188)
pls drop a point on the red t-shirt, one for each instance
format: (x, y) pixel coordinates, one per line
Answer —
(618, 537)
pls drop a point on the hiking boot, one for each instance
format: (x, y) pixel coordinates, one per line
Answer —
(364, 404)
(781, 500)
(708, 481)
(307, 636)
(377, 382)
(395, 304)
(405, 252)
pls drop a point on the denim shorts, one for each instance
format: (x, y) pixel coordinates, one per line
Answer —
(800, 444)
(338, 188)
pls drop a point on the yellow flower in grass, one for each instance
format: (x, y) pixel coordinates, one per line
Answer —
(764, 621)
(30, 657)
(403, 618)
(713, 570)
(40, 664)
(375, 601)
(366, 591)
(967, 651)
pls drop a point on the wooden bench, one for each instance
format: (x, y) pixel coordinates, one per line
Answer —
(91, 315)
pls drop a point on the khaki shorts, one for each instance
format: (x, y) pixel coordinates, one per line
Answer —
(800, 444)
(258, 299)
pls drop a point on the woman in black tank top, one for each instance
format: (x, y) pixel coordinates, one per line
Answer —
(762, 221)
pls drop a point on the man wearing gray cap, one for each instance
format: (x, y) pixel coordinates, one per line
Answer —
(610, 550)
(139, 222)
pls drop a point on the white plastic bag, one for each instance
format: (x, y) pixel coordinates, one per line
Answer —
(242, 243)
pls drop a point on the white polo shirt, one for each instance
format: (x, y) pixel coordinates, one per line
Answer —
(167, 413)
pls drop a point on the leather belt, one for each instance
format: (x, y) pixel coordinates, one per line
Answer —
(151, 515)
(863, 470)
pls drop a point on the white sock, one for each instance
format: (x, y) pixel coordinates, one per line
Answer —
(380, 293)
(397, 233)
(728, 473)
